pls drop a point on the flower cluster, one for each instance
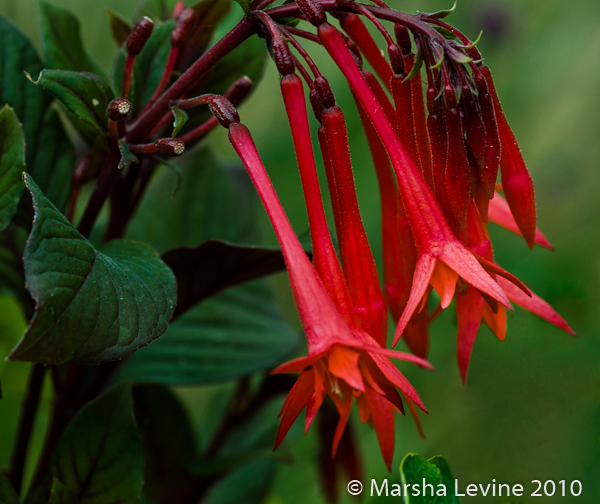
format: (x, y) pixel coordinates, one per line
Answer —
(437, 154)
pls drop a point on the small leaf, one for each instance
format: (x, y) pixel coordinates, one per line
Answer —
(29, 102)
(60, 494)
(7, 492)
(235, 333)
(85, 96)
(175, 169)
(12, 164)
(126, 155)
(216, 265)
(180, 117)
(168, 441)
(99, 456)
(92, 306)
(415, 469)
(119, 28)
(442, 13)
(62, 42)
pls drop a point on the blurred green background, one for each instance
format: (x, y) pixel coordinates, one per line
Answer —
(531, 407)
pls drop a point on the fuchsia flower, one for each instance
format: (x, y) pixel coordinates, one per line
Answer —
(437, 163)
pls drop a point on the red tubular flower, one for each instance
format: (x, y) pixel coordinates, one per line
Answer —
(442, 258)
(516, 180)
(499, 213)
(324, 256)
(342, 362)
(357, 259)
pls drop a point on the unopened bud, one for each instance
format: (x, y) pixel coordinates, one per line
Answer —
(282, 56)
(118, 109)
(313, 12)
(224, 111)
(324, 92)
(239, 90)
(139, 35)
(355, 53)
(186, 22)
(403, 39)
(169, 146)
(396, 60)
(316, 104)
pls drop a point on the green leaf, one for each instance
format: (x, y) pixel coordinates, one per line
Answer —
(168, 441)
(215, 265)
(17, 55)
(235, 333)
(414, 468)
(84, 95)
(126, 155)
(245, 5)
(62, 42)
(180, 119)
(99, 456)
(92, 306)
(7, 492)
(54, 161)
(218, 202)
(12, 164)
(60, 494)
(249, 484)
(157, 10)
(119, 28)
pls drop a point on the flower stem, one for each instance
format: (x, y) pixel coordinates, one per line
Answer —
(144, 124)
(28, 413)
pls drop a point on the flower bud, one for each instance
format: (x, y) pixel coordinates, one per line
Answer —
(282, 56)
(139, 35)
(313, 12)
(324, 92)
(186, 22)
(224, 111)
(403, 39)
(118, 109)
(169, 146)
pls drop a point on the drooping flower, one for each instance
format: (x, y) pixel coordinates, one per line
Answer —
(343, 361)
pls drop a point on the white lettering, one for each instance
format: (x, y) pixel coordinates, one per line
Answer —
(384, 485)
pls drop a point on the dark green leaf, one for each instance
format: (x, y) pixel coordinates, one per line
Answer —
(7, 492)
(443, 13)
(215, 202)
(12, 164)
(157, 10)
(414, 468)
(17, 55)
(60, 494)
(99, 456)
(180, 119)
(245, 5)
(62, 42)
(215, 265)
(85, 96)
(126, 155)
(119, 28)
(54, 161)
(93, 306)
(235, 333)
(249, 484)
(168, 441)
